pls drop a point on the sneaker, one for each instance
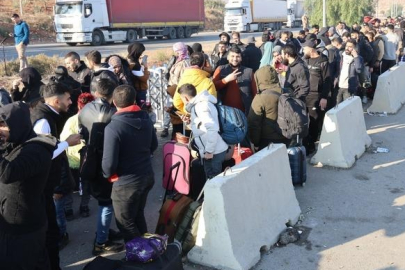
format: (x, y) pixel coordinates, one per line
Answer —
(164, 133)
(364, 100)
(84, 211)
(114, 235)
(107, 247)
(69, 215)
(63, 241)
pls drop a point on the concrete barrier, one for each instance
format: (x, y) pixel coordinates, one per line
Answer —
(390, 93)
(245, 211)
(344, 137)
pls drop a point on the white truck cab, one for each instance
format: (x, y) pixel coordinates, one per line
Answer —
(238, 15)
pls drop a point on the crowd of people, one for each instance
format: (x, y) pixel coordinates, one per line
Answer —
(90, 128)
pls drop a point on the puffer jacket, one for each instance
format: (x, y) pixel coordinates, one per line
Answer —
(201, 81)
(297, 79)
(205, 124)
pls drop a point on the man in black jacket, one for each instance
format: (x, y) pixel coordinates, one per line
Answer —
(47, 118)
(252, 55)
(78, 70)
(128, 143)
(221, 57)
(320, 87)
(93, 119)
(99, 70)
(23, 219)
(297, 77)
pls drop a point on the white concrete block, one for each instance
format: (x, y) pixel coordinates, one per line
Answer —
(390, 93)
(344, 136)
(246, 210)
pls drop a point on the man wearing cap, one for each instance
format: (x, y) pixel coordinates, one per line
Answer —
(21, 37)
(251, 55)
(319, 89)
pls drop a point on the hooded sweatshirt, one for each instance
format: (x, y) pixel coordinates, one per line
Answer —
(205, 124)
(24, 172)
(31, 79)
(201, 81)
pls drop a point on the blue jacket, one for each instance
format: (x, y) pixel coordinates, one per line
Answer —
(21, 33)
(355, 68)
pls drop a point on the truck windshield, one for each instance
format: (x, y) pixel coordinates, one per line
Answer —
(234, 11)
(69, 8)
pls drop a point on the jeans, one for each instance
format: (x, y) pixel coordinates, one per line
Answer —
(213, 167)
(60, 214)
(21, 48)
(104, 218)
(129, 203)
(342, 95)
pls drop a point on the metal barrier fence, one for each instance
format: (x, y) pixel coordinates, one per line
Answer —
(157, 92)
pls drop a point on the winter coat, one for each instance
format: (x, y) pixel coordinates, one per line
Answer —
(129, 141)
(251, 57)
(205, 124)
(262, 118)
(82, 75)
(366, 51)
(201, 81)
(177, 70)
(102, 73)
(355, 68)
(24, 170)
(4, 97)
(319, 78)
(31, 79)
(140, 78)
(297, 79)
(218, 60)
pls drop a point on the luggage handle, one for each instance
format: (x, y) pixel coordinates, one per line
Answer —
(176, 165)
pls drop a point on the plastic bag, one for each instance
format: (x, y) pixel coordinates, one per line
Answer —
(146, 248)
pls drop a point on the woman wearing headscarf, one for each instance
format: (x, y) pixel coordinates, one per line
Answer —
(121, 69)
(267, 58)
(139, 70)
(29, 93)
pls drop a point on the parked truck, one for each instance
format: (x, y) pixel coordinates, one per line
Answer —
(295, 12)
(254, 15)
(100, 21)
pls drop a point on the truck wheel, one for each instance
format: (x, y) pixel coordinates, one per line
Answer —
(97, 38)
(187, 32)
(71, 44)
(172, 33)
(132, 36)
(180, 32)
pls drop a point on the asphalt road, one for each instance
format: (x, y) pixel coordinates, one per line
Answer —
(151, 45)
(352, 219)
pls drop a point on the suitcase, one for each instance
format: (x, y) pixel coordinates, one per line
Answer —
(170, 260)
(241, 153)
(171, 214)
(298, 164)
(174, 153)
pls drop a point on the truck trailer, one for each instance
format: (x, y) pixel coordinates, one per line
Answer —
(295, 12)
(254, 15)
(105, 21)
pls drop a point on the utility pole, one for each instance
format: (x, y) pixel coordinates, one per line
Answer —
(21, 7)
(324, 13)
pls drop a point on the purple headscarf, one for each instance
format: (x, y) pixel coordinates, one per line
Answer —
(182, 51)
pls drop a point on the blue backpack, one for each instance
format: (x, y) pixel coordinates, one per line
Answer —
(232, 124)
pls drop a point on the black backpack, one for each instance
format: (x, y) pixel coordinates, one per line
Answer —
(293, 118)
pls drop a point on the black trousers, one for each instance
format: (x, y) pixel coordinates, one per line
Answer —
(52, 233)
(387, 64)
(316, 116)
(129, 204)
(24, 252)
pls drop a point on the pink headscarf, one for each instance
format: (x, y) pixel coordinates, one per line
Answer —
(181, 49)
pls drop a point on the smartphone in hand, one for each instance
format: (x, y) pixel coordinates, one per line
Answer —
(144, 60)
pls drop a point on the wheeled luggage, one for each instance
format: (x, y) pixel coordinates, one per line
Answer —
(298, 164)
(241, 153)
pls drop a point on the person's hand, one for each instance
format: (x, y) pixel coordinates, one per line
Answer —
(167, 109)
(354, 53)
(11, 35)
(185, 118)
(73, 139)
(371, 69)
(233, 76)
(322, 103)
(16, 83)
(208, 156)
(57, 196)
